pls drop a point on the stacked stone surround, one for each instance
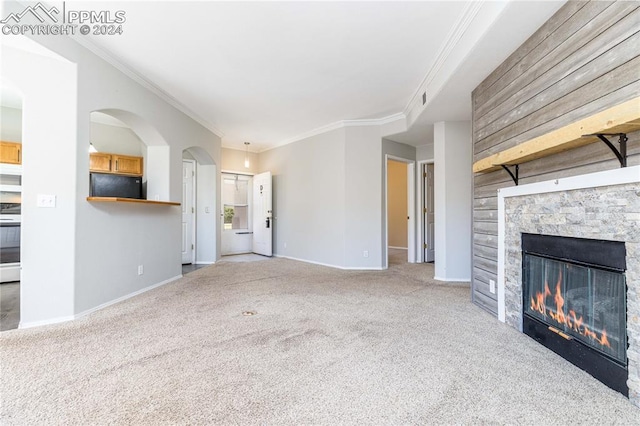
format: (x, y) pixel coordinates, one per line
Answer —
(605, 213)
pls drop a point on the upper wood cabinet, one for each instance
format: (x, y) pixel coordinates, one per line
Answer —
(99, 162)
(126, 164)
(115, 163)
(10, 152)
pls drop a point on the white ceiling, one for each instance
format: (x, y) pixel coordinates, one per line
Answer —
(267, 72)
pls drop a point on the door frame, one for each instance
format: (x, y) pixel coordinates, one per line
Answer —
(250, 209)
(194, 200)
(411, 208)
(420, 206)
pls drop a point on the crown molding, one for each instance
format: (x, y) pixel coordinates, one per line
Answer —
(306, 135)
(138, 78)
(451, 41)
(340, 125)
(374, 121)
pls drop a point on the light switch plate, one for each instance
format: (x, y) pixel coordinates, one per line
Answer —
(492, 286)
(46, 201)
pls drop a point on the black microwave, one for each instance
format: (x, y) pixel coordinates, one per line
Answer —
(110, 185)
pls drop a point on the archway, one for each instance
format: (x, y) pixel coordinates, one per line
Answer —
(154, 149)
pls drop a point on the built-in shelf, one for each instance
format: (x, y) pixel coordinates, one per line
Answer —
(130, 200)
(622, 118)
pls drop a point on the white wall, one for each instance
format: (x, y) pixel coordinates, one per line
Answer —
(10, 124)
(233, 161)
(309, 198)
(364, 166)
(424, 152)
(48, 163)
(116, 140)
(206, 214)
(81, 255)
(453, 158)
(329, 203)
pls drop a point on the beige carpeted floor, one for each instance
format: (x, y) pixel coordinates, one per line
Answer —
(324, 347)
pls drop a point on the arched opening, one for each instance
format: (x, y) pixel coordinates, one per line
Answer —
(120, 138)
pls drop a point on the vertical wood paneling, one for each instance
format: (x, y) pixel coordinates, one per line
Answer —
(583, 60)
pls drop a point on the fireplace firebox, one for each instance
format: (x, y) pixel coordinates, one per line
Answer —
(574, 302)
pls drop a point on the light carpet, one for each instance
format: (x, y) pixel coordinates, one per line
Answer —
(324, 347)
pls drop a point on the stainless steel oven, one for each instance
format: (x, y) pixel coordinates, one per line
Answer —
(9, 242)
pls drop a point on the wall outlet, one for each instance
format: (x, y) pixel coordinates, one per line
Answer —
(206, 209)
(284, 245)
(46, 201)
(365, 253)
(140, 269)
(156, 197)
(492, 286)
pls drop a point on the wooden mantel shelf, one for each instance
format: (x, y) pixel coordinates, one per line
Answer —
(622, 118)
(130, 200)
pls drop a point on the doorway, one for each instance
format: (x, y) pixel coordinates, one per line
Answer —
(400, 209)
(188, 211)
(428, 212)
(237, 226)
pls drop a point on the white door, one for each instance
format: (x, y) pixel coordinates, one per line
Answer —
(411, 208)
(262, 214)
(237, 227)
(429, 214)
(188, 211)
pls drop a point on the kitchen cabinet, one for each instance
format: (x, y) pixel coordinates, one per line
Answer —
(99, 162)
(10, 152)
(115, 163)
(127, 165)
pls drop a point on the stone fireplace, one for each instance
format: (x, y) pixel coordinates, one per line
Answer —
(602, 209)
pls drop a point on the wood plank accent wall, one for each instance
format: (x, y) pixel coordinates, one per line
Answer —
(583, 60)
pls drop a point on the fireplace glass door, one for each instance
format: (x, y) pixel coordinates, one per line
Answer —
(580, 302)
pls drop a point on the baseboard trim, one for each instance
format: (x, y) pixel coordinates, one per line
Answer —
(399, 248)
(32, 324)
(58, 320)
(198, 262)
(364, 268)
(453, 280)
(344, 268)
(125, 297)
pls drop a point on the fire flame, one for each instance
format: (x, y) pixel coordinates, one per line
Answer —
(572, 321)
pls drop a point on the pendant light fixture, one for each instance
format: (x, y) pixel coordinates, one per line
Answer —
(246, 155)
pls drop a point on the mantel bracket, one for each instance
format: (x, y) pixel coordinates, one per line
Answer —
(621, 153)
(513, 176)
